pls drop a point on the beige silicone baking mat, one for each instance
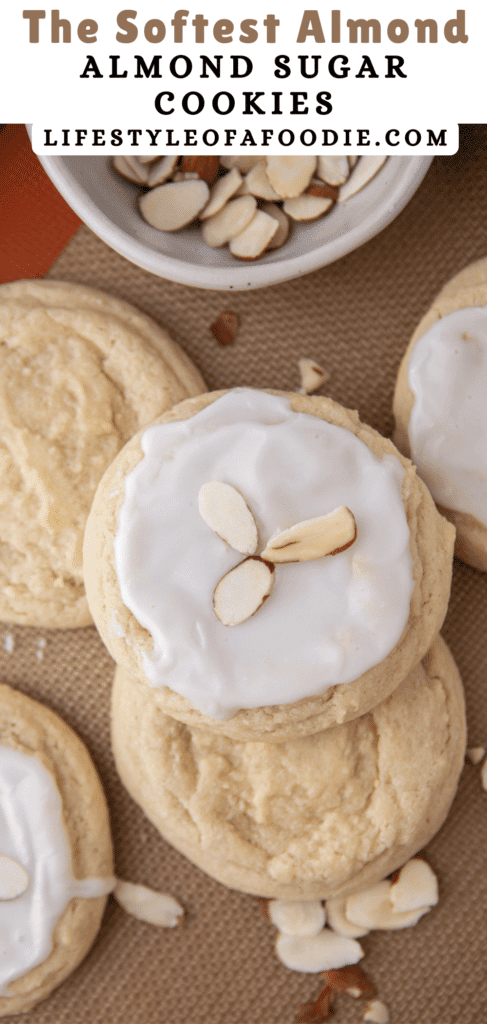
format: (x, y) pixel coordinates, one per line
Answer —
(355, 318)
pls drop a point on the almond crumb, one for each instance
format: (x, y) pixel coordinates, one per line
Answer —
(376, 1012)
(475, 754)
(225, 327)
(312, 375)
(483, 775)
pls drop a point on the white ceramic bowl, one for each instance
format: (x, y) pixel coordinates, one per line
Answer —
(107, 204)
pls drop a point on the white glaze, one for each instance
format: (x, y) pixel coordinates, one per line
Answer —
(448, 425)
(32, 833)
(327, 620)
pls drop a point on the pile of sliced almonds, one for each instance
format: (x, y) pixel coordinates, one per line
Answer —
(245, 202)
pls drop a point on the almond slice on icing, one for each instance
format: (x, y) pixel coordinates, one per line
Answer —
(283, 224)
(220, 193)
(14, 879)
(297, 917)
(226, 512)
(242, 591)
(148, 905)
(314, 953)
(307, 207)
(172, 206)
(254, 239)
(333, 169)
(290, 175)
(372, 908)
(230, 221)
(366, 169)
(313, 538)
(416, 887)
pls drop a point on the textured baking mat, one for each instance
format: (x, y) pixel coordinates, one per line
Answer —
(355, 318)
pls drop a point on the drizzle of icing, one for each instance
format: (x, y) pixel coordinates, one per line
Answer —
(32, 833)
(329, 619)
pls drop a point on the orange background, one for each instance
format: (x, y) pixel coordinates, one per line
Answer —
(36, 223)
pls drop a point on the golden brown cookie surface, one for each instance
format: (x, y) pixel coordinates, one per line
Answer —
(80, 373)
(309, 817)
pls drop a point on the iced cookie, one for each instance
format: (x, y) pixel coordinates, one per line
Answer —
(323, 638)
(310, 817)
(441, 410)
(55, 852)
(80, 373)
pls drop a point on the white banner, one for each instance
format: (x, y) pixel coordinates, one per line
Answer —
(94, 77)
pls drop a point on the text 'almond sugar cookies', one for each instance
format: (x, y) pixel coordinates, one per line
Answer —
(80, 373)
(56, 865)
(333, 629)
(441, 411)
(308, 818)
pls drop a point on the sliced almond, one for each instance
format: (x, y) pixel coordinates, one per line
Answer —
(333, 169)
(475, 754)
(312, 375)
(230, 221)
(352, 980)
(206, 166)
(283, 224)
(148, 158)
(297, 917)
(313, 538)
(136, 174)
(256, 183)
(376, 1012)
(416, 887)
(224, 328)
(322, 190)
(372, 908)
(322, 952)
(173, 205)
(255, 238)
(162, 170)
(338, 921)
(148, 905)
(307, 207)
(244, 163)
(365, 170)
(242, 591)
(290, 175)
(223, 190)
(185, 176)
(226, 512)
(14, 879)
(353, 160)
(318, 1010)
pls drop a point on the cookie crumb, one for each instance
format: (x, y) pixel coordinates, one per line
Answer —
(475, 754)
(9, 643)
(225, 327)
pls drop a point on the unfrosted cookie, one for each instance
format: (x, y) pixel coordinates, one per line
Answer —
(335, 635)
(310, 817)
(441, 410)
(80, 373)
(54, 830)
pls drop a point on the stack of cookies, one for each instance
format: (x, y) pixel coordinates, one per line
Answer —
(270, 576)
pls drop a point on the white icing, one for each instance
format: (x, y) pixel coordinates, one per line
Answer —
(32, 833)
(448, 424)
(327, 620)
